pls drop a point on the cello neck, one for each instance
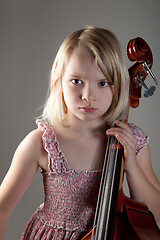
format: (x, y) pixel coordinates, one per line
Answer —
(108, 194)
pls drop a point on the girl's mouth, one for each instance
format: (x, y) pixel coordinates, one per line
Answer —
(88, 109)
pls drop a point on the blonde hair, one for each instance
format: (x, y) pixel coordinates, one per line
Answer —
(106, 49)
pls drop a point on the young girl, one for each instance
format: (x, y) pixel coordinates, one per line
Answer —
(88, 93)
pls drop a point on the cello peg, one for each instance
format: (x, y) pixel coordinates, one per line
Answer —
(149, 91)
(139, 79)
(146, 67)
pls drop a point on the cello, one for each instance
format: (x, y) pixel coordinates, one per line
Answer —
(117, 216)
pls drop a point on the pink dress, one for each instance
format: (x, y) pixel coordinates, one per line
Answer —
(70, 195)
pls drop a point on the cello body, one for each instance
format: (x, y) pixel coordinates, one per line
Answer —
(133, 221)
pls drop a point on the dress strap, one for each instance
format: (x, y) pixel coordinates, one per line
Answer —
(141, 138)
(56, 159)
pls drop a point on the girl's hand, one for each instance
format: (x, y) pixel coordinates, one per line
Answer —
(124, 135)
(143, 184)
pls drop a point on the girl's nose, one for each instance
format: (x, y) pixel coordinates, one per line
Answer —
(88, 94)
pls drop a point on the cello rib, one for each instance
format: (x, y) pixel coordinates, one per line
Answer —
(134, 221)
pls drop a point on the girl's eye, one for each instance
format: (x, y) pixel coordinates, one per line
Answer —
(103, 84)
(77, 82)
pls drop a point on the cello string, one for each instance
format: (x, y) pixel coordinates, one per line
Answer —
(113, 158)
(112, 182)
(109, 157)
(102, 185)
(98, 207)
(116, 146)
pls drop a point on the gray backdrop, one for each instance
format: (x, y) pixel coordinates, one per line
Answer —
(30, 33)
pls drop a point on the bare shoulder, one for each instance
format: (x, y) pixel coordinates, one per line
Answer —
(31, 146)
(34, 138)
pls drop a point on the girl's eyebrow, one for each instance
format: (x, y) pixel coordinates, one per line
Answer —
(81, 77)
(102, 80)
(76, 76)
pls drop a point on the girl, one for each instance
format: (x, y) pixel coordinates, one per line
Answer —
(88, 93)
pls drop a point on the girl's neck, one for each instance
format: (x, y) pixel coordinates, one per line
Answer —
(86, 128)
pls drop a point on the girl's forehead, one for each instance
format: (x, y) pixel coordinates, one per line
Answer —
(82, 63)
(81, 56)
(83, 52)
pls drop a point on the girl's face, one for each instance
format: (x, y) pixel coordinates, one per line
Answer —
(86, 91)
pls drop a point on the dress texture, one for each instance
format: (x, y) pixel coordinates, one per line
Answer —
(70, 195)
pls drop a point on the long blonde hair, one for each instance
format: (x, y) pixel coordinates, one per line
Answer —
(106, 49)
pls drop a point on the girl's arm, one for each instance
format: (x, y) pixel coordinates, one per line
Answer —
(142, 181)
(24, 166)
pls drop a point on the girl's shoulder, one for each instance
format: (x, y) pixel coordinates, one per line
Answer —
(137, 131)
(32, 144)
(34, 138)
(141, 137)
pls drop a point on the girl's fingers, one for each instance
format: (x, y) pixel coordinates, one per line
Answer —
(124, 126)
(122, 129)
(124, 135)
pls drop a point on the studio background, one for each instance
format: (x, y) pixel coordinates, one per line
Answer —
(31, 32)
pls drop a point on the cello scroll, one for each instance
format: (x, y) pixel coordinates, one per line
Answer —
(139, 51)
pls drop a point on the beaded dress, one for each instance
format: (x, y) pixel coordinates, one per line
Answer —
(70, 195)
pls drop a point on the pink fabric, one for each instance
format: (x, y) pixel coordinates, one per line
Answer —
(140, 136)
(70, 195)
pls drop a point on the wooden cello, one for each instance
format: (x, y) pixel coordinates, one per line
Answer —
(118, 217)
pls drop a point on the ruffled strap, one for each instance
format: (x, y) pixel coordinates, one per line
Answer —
(56, 159)
(141, 138)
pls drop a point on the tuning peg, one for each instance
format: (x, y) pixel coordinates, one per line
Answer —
(149, 91)
(139, 79)
(146, 67)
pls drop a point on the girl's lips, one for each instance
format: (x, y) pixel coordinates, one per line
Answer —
(88, 109)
